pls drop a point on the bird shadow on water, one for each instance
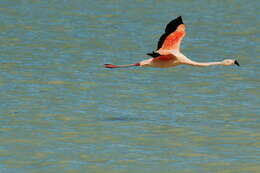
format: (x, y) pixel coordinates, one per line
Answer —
(120, 119)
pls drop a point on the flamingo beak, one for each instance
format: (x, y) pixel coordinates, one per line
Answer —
(236, 62)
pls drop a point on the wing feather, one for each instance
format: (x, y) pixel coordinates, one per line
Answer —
(171, 39)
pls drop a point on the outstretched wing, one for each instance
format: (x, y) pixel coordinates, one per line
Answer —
(171, 39)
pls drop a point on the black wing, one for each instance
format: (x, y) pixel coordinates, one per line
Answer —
(153, 54)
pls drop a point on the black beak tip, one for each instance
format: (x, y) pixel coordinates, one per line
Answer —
(236, 62)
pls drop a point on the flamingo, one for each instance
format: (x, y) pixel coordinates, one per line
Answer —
(168, 51)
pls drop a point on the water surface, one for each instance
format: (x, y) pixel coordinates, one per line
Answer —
(61, 111)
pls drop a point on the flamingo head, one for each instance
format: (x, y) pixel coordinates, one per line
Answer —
(228, 62)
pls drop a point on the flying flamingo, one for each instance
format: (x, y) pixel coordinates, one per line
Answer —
(168, 51)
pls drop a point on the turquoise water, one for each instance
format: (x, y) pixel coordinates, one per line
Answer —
(61, 111)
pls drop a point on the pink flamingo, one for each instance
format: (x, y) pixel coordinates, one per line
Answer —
(168, 51)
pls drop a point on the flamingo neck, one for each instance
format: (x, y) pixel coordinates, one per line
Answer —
(185, 60)
(204, 64)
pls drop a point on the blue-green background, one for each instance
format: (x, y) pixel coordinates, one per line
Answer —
(62, 112)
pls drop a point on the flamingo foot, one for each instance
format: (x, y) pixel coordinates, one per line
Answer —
(111, 66)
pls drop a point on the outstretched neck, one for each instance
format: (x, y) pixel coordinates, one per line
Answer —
(204, 64)
(186, 60)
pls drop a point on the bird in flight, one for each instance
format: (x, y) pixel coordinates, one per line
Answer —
(168, 51)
